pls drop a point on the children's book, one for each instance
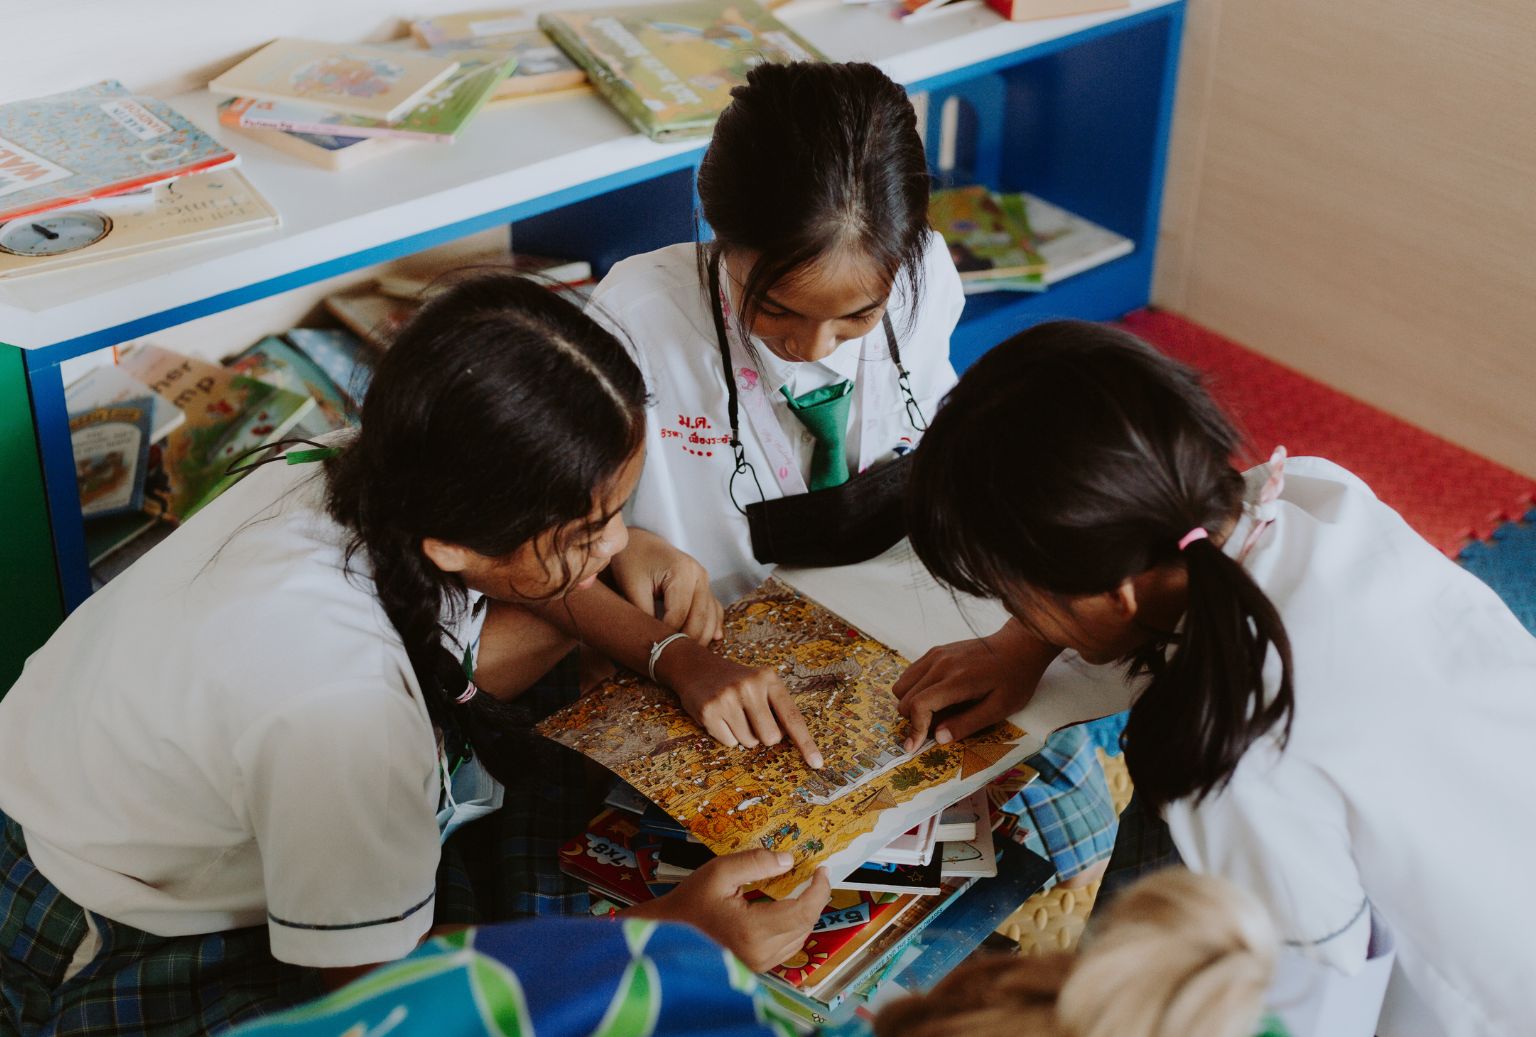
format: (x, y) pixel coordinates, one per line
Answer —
(870, 789)
(373, 81)
(963, 819)
(344, 358)
(850, 915)
(370, 314)
(1027, 10)
(541, 66)
(197, 208)
(227, 414)
(109, 384)
(274, 361)
(615, 857)
(411, 282)
(914, 846)
(70, 148)
(974, 856)
(987, 240)
(669, 68)
(326, 150)
(921, 879)
(111, 447)
(438, 117)
(1069, 243)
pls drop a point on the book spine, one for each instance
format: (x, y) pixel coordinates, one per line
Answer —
(616, 92)
(258, 120)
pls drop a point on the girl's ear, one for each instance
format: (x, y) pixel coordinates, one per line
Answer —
(450, 558)
(1123, 601)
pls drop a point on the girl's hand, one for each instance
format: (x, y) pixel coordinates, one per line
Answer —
(761, 934)
(737, 705)
(651, 570)
(998, 674)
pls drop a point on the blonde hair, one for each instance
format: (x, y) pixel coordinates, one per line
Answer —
(1177, 955)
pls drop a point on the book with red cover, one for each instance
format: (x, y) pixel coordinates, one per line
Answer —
(616, 858)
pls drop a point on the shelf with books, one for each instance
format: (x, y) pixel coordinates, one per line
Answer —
(536, 165)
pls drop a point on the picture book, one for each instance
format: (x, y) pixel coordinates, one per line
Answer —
(274, 361)
(915, 846)
(197, 208)
(921, 879)
(1069, 243)
(370, 314)
(988, 241)
(108, 384)
(849, 914)
(67, 149)
(1028, 10)
(736, 798)
(974, 856)
(478, 28)
(962, 820)
(541, 66)
(616, 858)
(344, 358)
(111, 448)
(669, 68)
(227, 414)
(326, 150)
(373, 81)
(438, 117)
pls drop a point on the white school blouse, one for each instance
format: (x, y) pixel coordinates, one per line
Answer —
(229, 734)
(657, 306)
(1406, 782)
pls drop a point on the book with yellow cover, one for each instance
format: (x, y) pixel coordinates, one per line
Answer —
(541, 68)
(376, 82)
(869, 790)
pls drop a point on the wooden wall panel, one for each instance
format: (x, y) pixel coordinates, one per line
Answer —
(1353, 192)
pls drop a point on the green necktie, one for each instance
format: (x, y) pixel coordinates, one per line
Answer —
(824, 413)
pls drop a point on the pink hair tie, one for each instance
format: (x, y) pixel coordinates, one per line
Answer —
(1198, 533)
(470, 691)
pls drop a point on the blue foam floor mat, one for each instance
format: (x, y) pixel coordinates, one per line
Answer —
(1507, 563)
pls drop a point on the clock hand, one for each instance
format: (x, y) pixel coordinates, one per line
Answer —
(45, 232)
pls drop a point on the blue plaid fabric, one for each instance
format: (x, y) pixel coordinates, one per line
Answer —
(503, 866)
(1068, 807)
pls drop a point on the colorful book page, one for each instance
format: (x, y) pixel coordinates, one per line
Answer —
(737, 798)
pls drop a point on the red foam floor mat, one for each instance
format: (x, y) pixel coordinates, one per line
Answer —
(1447, 493)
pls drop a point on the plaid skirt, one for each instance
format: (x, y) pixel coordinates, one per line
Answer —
(500, 867)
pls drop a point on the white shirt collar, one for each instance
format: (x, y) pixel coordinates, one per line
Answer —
(777, 373)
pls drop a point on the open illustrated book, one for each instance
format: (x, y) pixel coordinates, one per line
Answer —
(840, 674)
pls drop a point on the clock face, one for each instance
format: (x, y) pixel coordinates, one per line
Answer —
(53, 234)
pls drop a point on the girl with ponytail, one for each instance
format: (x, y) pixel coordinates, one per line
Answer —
(232, 775)
(1293, 653)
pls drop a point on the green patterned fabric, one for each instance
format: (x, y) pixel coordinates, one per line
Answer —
(824, 413)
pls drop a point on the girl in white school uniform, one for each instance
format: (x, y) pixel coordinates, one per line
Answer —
(1327, 710)
(229, 776)
(794, 360)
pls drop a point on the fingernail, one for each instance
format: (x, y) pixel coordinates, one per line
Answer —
(815, 761)
(943, 737)
(785, 860)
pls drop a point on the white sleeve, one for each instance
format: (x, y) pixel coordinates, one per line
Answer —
(340, 791)
(1280, 830)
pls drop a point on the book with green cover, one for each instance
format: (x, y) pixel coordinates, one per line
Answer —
(669, 68)
(989, 239)
(442, 113)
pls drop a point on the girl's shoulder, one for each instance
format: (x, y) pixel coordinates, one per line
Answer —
(651, 284)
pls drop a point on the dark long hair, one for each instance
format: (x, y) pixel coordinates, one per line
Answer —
(812, 158)
(1073, 457)
(497, 414)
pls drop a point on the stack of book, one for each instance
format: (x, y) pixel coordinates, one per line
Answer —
(99, 173)
(156, 433)
(1018, 242)
(340, 104)
(634, 852)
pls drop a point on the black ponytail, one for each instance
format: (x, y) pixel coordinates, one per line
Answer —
(1073, 457)
(498, 414)
(810, 159)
